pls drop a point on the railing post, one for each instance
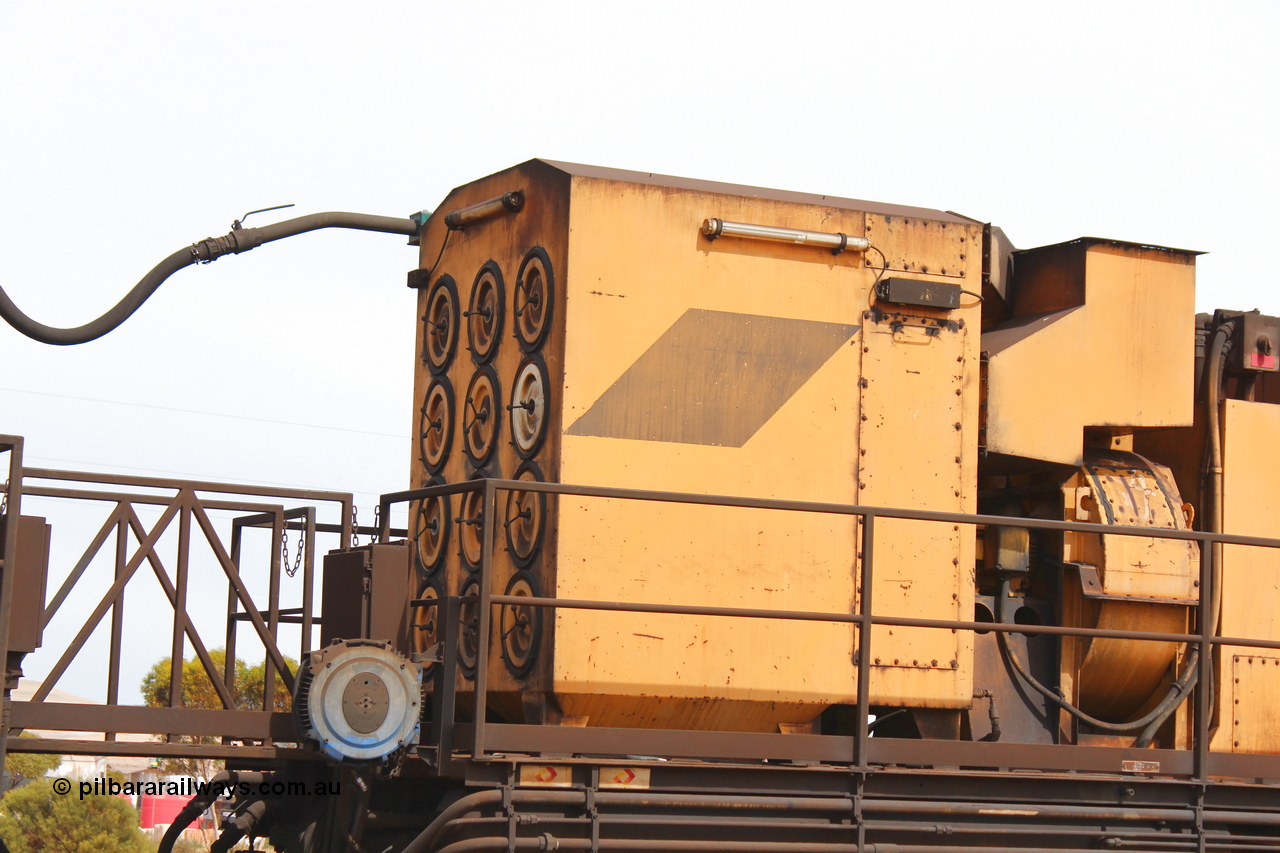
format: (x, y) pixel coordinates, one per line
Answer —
(488, 526)
(1204, 688)
(864, 639)
(384, 519)
(233, 610)
(444, 694)
(177, 656)
(117, 619)
(308, 576)
(13, 510)
(279, 536)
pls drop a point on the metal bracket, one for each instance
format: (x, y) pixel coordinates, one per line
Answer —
(594, 814)
(1091, 587)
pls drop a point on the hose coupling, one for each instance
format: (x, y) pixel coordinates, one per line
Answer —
(240, 240)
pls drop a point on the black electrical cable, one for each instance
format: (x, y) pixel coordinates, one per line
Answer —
(205, 251)
(249, 820)
(223, 782)
(1215, 368)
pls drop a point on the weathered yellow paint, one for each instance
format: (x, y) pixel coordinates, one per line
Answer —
(1250, 579)
(1255, 707)
(1114, 349)
(638, 265)
(915, 435)
(1139, 583)
(631, 265)
(641, 246)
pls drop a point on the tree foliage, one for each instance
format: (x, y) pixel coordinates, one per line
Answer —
(33, 819)
(22, 766)
(198, 690)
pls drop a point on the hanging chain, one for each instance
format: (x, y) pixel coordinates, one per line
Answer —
(4, 498)
(291, 571)
(377, 524)
(355, 525)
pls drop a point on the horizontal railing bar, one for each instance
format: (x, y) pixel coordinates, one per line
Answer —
(855, 619)
(203, 722)
(158, 749)
(284, 618)
(196, 485)
(126, 497)
(570, 740)
(830, 509)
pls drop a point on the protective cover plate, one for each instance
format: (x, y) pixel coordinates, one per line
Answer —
(345, 678)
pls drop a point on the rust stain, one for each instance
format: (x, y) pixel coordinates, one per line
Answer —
(650, 636)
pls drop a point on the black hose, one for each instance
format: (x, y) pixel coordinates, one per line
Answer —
(993, 715)
(245, 822)
(239, 240)
(224, 781)
(96, 328)
(1215, 367)
(884, 718)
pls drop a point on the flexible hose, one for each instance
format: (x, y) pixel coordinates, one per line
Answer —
(239, 240)
(1214, 369)
(96, 328)
(214, 788)
(245, 822)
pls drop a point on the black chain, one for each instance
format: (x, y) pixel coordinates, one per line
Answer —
(355, 525)
(377, 524)
(284, 549)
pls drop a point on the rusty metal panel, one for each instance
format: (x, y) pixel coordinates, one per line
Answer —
(916, 396)
(716, 187)
(1130, 491)
(1250, 576)
(489, 337)
(1255, 704)
(1125, 582)
(729, 410)
(672, 363)
(927, 246)
(1119, 359)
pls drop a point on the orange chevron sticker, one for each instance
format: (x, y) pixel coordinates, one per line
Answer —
(631, 778)
(546, 775)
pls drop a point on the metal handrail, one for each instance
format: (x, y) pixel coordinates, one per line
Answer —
(184, 505)
(864, 619)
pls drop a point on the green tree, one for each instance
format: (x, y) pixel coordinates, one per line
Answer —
(22, 766)
(34, 819)
(198, 692)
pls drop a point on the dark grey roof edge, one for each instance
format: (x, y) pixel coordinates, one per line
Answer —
(585, 171)
(1105, 241)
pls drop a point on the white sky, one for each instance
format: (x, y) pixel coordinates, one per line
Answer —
(131, 129)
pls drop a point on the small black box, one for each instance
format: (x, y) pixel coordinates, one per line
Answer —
(926, 294)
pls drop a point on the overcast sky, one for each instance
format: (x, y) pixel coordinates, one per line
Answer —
(131, 129)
